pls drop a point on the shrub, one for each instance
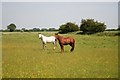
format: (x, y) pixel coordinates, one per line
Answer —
(68, 27)
(11, 27)
(90, 26)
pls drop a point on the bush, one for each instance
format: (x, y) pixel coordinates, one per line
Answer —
(68, 27)
(11, 27)
(90, 26)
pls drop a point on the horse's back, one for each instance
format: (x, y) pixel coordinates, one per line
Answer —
(71, 39)
(50, 39)
(67, 40)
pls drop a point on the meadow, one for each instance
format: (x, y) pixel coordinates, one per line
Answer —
(95, 56)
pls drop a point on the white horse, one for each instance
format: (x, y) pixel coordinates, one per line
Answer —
(46, 39)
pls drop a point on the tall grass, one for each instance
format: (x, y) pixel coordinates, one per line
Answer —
(108, 33)
(0, 55)
(94, 57)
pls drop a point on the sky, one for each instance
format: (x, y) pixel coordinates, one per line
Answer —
(119, 13)
(0, 15)
(53, 14)
(59, 0)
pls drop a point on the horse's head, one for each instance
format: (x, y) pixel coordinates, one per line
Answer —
(56, 35)
(39, 35)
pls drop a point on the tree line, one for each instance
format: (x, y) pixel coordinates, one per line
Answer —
(87, 26)
(11, 28)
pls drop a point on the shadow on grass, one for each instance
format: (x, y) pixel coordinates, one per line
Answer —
(49, 50)
(58, 52)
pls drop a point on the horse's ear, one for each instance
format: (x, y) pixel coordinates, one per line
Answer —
(56, 33)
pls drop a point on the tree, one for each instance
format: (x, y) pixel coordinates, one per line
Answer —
(68, 27)
(11, 27)
(91, 26)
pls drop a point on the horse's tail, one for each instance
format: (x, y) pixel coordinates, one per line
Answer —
(73, 45)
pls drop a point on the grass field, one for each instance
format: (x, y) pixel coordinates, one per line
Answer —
(94, 57)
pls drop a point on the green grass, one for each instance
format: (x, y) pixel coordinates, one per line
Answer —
(0, 55)
(94, 57)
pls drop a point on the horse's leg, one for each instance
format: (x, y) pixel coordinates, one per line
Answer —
(72, 45)
(62, 48)
(43, 46)
(54, 44)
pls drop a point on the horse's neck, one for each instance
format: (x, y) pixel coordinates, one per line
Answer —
(60, 37)
(42, 36)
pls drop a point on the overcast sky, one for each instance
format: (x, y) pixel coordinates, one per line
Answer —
(52, 14)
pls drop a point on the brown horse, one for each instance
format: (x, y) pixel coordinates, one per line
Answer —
(65, 41)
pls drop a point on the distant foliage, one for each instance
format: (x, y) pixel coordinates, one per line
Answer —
(90, 26)
(44, 29)
(118, 27)
(36, 29)
(11, 27)
(68, 27)
(52, 29)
